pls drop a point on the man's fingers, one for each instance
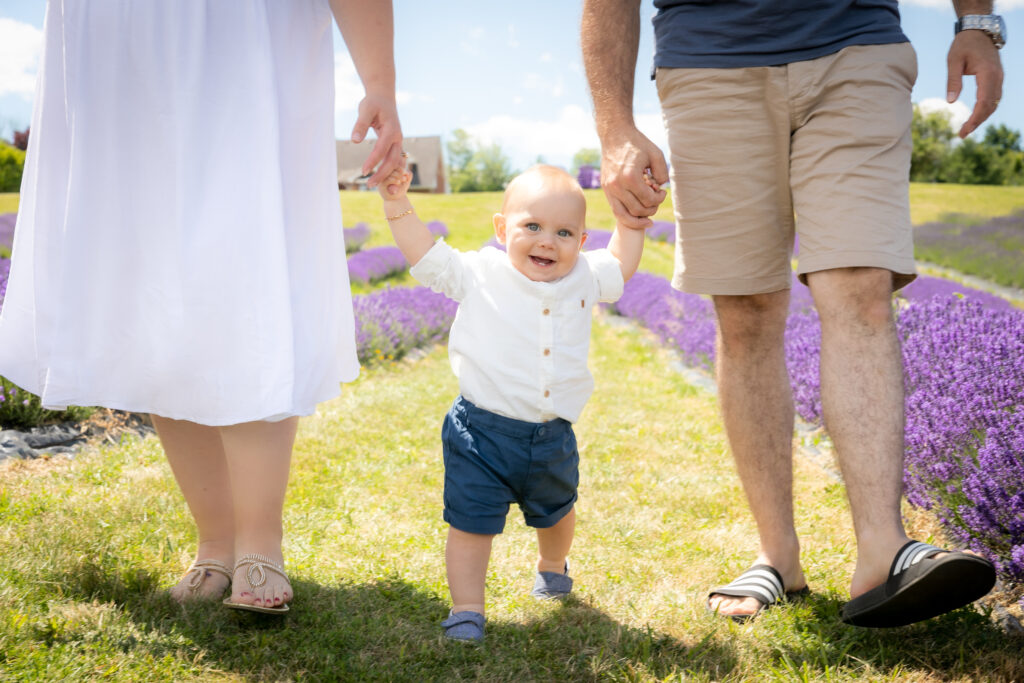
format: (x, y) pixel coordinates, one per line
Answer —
(623, 215)
(982, 110)
(954, 80)
(659, 169)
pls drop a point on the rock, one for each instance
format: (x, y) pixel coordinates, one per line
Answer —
(54, 435)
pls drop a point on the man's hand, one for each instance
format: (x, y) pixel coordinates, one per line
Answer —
(380, 114)
(974, 54)
(629, 160)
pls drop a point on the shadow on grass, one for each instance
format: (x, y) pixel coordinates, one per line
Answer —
(963, 643)
(389, 630)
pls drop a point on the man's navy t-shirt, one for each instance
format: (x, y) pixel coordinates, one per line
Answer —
(739, 33)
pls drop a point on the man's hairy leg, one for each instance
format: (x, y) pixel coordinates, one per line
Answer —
(757, 409)
(862, 401)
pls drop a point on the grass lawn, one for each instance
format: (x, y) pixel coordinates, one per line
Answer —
(89, 544)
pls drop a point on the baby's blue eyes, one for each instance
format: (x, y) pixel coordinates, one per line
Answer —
(535, 227)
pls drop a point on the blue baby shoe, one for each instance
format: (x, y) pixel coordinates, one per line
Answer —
(552, 585)
(468, 626)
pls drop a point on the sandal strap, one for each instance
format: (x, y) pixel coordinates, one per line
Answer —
(199, 570)
(761, 582)
(910, 554)
(258, 564)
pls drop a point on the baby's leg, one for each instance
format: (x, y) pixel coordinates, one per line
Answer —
(554, 543)
(196, 456)
(259, 456)
(466, 556)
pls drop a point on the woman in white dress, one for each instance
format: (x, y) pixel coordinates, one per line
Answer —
(179, 247)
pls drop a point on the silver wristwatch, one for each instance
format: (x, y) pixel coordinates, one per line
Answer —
(990, 24)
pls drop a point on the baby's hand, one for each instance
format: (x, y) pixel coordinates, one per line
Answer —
(395, 185)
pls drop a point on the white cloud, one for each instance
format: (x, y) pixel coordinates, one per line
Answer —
(556, 140)
(21, 46)
(513, 42)
(348, 89)
(555, 87)
(546, 57)
(958, 111)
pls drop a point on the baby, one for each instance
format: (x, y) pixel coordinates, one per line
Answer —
(519, 348)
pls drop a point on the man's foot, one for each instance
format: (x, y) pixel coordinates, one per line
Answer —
(923, 582)
(260, 585)
(206, 579)
(752, 592)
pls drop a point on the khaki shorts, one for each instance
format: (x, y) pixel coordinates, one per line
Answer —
(827, 139)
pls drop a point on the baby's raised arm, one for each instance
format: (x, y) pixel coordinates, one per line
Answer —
(627, 246)
(411, 235)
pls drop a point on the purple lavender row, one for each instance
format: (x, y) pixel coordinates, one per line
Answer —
(437, 228)
(378, 263)
(964, 372)
(356, 237)
(390, 322)
(7, 221)
(5, 273)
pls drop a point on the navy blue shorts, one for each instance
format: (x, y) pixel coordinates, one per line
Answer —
(491, 461)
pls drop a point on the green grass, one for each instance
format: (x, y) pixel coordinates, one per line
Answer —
(89, 544)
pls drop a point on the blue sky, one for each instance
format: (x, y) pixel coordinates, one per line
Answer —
(511, 73)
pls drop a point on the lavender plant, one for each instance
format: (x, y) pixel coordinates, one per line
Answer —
(5, 273)
(378, 263)
(662, 231)
(597, 239)
(993, 249)
(390, 322)
(7, 221)
(964, 372)
(356, 237)
(437, 229)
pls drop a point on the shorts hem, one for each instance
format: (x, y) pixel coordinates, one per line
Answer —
(730, 286)
(554, 518)
(474, 525)
(903, 269)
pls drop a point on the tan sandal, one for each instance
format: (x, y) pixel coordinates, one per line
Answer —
(256, 576)
(200, 570)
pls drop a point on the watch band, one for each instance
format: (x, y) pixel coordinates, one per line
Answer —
(991, 25)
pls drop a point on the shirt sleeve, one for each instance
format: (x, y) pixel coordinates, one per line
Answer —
(607, 273)
(444, 269)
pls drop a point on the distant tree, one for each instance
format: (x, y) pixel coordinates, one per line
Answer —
(20, 139)
(12, 163)
(1002, 138)
(973, 163)
(588, 156)
(473, 167)
(932, 136)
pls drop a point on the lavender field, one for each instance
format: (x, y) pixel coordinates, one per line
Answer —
(963, 355)
(991, 249)
(964, 371)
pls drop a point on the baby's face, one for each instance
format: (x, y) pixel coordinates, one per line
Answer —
(543, 231)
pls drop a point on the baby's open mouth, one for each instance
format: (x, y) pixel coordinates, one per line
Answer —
(541, 261)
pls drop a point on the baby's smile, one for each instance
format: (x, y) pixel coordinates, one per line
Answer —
(541, 261)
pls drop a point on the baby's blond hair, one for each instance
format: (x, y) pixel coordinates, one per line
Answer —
(541, 177)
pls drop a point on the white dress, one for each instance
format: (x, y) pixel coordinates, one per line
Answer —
(179, 248)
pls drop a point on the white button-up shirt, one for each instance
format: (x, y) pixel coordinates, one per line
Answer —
(519, 347)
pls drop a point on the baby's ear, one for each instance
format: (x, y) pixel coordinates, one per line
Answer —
(583, 240)
(499, 227)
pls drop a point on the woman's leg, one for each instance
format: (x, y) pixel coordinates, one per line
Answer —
(196, 456)
(258, 458)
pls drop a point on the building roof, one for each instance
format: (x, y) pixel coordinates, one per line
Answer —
(424, 152)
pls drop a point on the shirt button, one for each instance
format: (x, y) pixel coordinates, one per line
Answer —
(546, 393)
(547, 311)
(547, 352)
